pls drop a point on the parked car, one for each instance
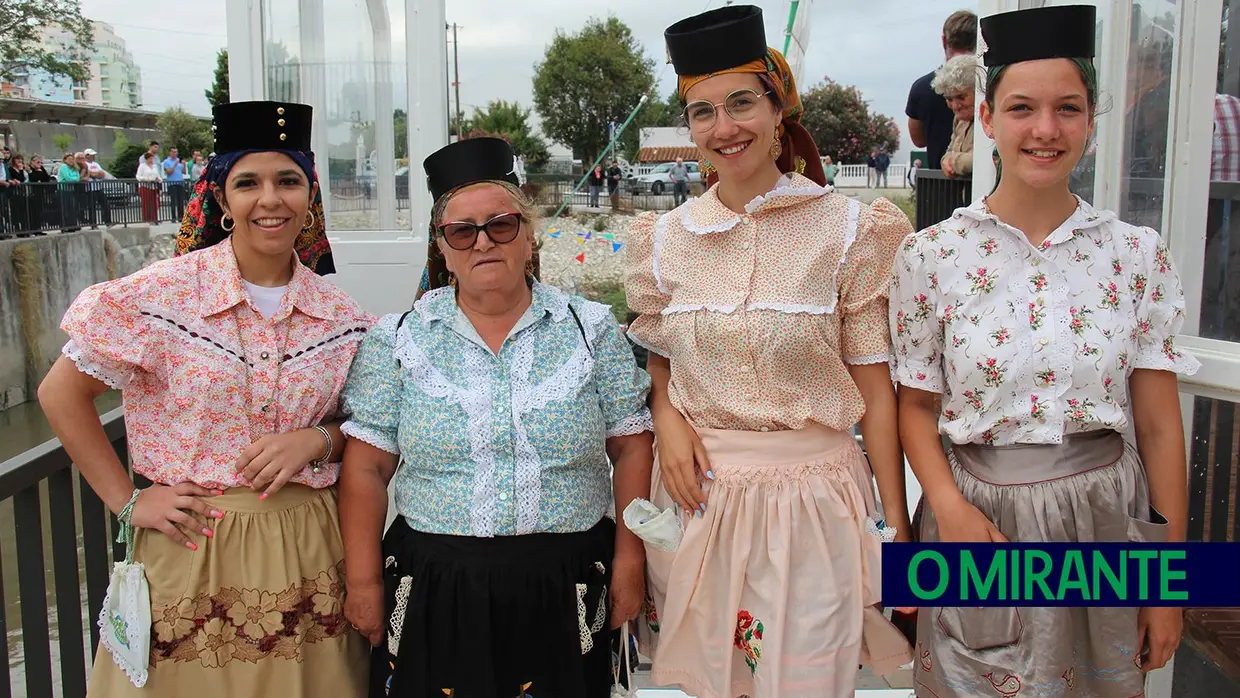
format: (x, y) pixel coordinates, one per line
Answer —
(659, 180)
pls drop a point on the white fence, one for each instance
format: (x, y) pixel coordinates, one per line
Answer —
(848, 177)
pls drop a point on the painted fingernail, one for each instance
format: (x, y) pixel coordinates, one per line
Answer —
(207, 532)
(262, 496)
(702, 506)
(710, 475)
(219, 492)
(191, 546)
(698, 514)
(217, 514)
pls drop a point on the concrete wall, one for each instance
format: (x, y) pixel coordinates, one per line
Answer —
(33, 137)
(63, 265)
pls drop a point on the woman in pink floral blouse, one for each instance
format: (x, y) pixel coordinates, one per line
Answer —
(230, 359)
(1027, 328)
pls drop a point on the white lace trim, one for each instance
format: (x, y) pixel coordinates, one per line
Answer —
(656, 251)
(374, 437)
(686, 220)
(132, 580)
(113, 379)
(636, 423)
(475, 401)
(645, 345)
(782, 191)
(868, 359)
(587, 632)
(850, 236)
(397, 622)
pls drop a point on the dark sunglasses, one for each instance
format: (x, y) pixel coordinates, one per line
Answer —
(501, 229)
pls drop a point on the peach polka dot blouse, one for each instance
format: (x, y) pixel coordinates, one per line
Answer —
(761, 313)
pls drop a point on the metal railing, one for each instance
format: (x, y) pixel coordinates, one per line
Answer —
(938, 195)
(553, 190)
(31, 209)
(82, 554)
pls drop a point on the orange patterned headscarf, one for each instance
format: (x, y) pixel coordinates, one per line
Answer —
(799, 153)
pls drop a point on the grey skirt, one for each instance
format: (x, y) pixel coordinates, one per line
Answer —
(1091, 488)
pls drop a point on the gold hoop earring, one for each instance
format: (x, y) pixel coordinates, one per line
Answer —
(227, 228)
(313, 220)
(705, 168)
(777, 148)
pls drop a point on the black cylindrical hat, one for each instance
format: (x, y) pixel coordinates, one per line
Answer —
(468, 161)
(717, 40)
(1061, 31)
(240, 126)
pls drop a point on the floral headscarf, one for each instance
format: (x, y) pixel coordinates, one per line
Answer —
(799, 153)
(201, 226)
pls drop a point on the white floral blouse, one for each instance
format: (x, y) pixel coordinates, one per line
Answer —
(1027, 344)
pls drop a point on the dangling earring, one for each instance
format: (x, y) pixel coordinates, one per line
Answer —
(452, 279)
(777, 148)
(227, 228)
(313, 220)
(705, 168)
(529, 267)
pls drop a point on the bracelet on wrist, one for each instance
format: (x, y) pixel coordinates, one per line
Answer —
(317, 464)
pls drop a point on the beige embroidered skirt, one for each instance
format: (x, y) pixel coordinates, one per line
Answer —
(769, 594)
(257, 610)
(1090, 488)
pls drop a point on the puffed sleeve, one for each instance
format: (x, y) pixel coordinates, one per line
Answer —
(917, 340)
(642, 285)
(1160, 310)
(622, 386)
(865, 278)
(109, 337)
(371, 398)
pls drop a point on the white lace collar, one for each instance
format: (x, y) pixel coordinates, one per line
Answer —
(707, 214)
(440, 304)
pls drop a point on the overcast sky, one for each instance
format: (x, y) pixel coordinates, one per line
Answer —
(880, 46)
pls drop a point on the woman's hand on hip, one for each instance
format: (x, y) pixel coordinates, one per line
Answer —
(176, 511)
(628, 588)
(1158, 635)
(683, 462)
(964, 523)
(363, 608)
(271, 461)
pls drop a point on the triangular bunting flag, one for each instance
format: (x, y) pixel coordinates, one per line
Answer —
(609, 236)
(615, 246)
(587, 235)
(581, 258)
(554, 233)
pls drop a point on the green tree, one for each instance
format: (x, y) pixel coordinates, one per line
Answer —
(841, 124)
(218, 94)
(589, 80)
(62, 142)
(22, 24)
(400, 122)
(510, 121)
(181, 130)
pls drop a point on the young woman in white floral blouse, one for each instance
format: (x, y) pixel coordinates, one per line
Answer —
(1026, 328)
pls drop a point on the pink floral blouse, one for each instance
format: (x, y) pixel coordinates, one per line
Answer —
(202, 373)
(761, 313)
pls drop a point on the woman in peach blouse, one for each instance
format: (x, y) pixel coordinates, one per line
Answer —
(763, 305)
(230, 358)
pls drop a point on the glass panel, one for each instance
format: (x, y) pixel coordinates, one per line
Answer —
(1082, 178)
(1146, 111)
(1220, 282)
(347, 59)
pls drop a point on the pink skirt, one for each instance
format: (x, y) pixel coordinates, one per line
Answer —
(771, 592)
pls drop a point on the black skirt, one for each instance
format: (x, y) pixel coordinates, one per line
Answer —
(504, 617)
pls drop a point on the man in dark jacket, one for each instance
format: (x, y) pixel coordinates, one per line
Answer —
(929, 120)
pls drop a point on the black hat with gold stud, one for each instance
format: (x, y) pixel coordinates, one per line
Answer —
(241, 126)
(716, 40)
(1060, 31)
(468, 161)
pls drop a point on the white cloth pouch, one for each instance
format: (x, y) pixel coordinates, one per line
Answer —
(662, 529)
(623, 689)
(125, 620)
